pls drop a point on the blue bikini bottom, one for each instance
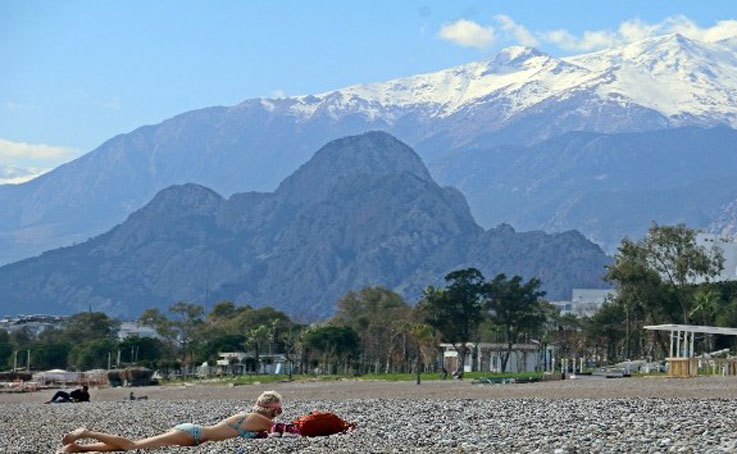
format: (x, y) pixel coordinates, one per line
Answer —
(192, 429)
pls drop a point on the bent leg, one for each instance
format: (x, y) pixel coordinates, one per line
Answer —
(60, 396)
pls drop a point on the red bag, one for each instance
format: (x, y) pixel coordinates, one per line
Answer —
(321, 423)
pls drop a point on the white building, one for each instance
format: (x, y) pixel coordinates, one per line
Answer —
(487, 357)
(241, 362)
(135, 329)
(729, 249)
(585, 302)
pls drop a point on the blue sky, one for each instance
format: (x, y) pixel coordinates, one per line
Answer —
(76, 73)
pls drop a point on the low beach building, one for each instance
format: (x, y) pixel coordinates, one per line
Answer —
(488, 357)
(238, 363)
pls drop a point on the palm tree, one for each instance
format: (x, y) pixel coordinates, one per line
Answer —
(256, 338)
(705, 304)
(423, 337)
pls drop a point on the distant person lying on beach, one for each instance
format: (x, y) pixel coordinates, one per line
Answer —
(253, 424)
(78, 395)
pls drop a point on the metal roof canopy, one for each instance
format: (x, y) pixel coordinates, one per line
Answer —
(682, 337)
(694, 329)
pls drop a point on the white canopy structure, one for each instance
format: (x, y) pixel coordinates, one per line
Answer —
(681, 362)
(682, 336)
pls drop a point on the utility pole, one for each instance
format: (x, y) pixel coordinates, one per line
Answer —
(109, 359)
(627, 331)
(15, 360)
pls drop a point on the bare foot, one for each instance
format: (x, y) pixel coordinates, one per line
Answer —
(71, 447)
(73, 436)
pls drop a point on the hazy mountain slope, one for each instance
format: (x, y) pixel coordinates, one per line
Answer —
(363, 211)
(606, 186)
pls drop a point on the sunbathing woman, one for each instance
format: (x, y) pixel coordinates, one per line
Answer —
(253, 424)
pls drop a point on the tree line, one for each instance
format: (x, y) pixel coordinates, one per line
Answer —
(375, 330)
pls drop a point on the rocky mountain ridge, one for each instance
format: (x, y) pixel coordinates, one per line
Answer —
(364, 211)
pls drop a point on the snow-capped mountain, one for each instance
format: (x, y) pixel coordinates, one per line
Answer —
(521, 99)
(683, 80)
(678, 77)
(525, 75)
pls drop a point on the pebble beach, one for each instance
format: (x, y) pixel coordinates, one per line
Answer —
(587, 415)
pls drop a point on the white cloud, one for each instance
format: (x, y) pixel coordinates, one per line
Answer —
(278, 93)
(22, 153)
(519, 33)
(591, 40)
(562, 38)
(635, 30)
(466, 33)
(17, 175)
(723, 29)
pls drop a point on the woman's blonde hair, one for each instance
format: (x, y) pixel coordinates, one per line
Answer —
(267, 401)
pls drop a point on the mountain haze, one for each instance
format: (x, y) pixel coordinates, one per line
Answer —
(363, 211)
(607, 186)
(520, 97)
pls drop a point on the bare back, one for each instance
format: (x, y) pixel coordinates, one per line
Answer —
(229, 427)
